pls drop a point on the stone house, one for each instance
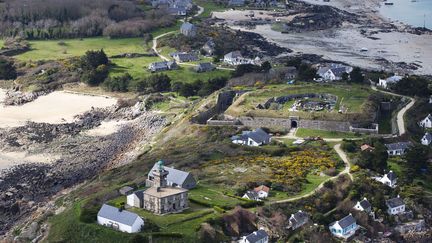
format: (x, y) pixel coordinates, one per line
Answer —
(119, 219)
(188, 29)
(160, 198)
(162, 66)
(204, 67)
(333, 71)
(175, 178)
(184, 57)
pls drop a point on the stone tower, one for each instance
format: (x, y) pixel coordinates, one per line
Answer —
(160, 175)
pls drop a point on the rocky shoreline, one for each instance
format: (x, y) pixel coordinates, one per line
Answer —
(25, 188)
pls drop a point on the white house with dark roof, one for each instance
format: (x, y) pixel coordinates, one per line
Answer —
(184, 57)
(426, 139)
(162, 66)
(119, 219)
(395, 206)
(252, 195)
(175, 178)
(209, 47)
(427, 122)
(363, 206)
(345, 227)
(396, 149)
(333, 71)
(256, 137)
(204, 67)
(384, 83)
(389, 179)
(236, 58)
(259, 236)
(297, 220)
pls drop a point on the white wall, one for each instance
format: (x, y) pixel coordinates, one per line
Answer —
(136, 227)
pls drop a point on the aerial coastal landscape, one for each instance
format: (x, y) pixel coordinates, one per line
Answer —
(248, 121)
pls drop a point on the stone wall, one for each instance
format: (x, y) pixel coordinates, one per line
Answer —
(286, 123)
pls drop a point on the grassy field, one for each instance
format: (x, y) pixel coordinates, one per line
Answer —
(58, 49)
(351, 97)
(209, 7)
(213, 195)
(303, 132)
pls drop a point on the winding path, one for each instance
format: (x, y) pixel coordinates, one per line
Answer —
(346, 171)
(401, 114)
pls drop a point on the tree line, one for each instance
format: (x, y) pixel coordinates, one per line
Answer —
(50, 19)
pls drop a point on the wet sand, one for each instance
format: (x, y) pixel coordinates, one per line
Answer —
(9, 159)
(55, 108)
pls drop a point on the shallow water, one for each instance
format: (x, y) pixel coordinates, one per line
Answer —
(415, 13)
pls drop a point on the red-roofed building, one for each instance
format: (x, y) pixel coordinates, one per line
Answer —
(262, 191)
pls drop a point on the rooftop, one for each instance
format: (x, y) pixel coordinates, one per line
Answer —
(117, 215)
(164, 191)
(395, 202)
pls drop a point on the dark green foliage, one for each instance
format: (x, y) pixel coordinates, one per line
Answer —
(159, 83)
(356, 76)
(266, 66)
(349, 146)
(199, 87)
(375, 160)
(306, 72)
(242, 69)
(88, 214)
(7, 69)
(416, 159)
(95, 67)
(118, 83)
(412, 86)
(93, 59)
(138, 239)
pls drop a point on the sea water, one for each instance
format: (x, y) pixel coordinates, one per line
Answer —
(412, 12)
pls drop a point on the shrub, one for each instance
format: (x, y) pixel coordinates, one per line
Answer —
(88, 214)
(7, 69)
(118, 84)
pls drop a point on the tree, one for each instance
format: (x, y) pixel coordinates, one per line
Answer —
(306, 72)
(118, 83)
(7, 69)
(266, 66)
(96, 76)
(375, 160)
(415, 160)
(356, 75)
(93, 59)
(413, 86)
(159, 82)
(242, 69)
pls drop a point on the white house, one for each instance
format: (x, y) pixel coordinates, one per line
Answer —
(257, 137)
(395, 149)
(384, 83)
(259, 236)
(395, 206)
(363, 206)
(426, 139)
(333, 71)
(389, 179)
(119, 219)
(344, 228)
(427, 122)
(134, 199)
(298, 219)
(235, 58)
(263, 191)
(251, 195)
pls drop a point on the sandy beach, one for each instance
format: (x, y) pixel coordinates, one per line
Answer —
(55, 108)
(9, 159)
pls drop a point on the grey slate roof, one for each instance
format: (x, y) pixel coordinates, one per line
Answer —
(395, 202)
(365, 203)
(114, 214)
(391, 176)
(400, 145)
(258, 135)
(300, 216)
(257, 236)
(205, 66)
(252, 194)
(394, 79)
(428, 136)
(233, 55)
(125, 190)
(346, 221)
(139, 193)
(186, 26)
(176, 176)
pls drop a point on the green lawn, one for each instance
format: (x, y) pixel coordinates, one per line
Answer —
(213, 195)
(209, 7)
(353, 98)
(1, 43)
(303, 132)
(394, 164)
(52, 49)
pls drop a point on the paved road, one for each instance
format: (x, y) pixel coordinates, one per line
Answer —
(346, 171)
(401, 114)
